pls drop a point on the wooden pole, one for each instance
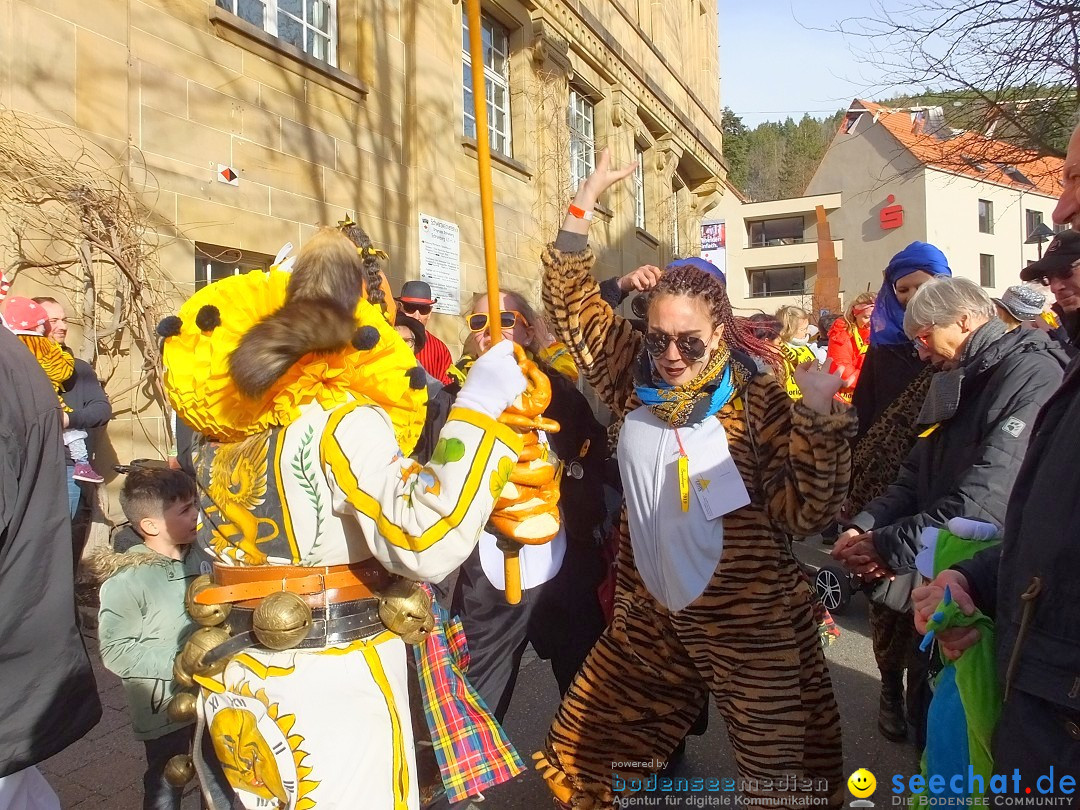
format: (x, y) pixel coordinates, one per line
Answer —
(487, 218)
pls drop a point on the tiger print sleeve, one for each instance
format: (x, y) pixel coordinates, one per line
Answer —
(805, 457)
(602, 343)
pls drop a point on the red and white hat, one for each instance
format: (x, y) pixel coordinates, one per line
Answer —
(24, 316)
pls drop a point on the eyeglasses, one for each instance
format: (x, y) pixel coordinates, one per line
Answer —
(922, 340)
(422, 309)
(691, 348)
(507, 319)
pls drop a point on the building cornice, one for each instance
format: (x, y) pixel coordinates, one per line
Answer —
(587, 35)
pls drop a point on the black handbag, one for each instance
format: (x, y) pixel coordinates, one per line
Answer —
(895, 594)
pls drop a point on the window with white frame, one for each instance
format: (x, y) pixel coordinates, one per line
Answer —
(215, 262)
(309, 25)
(580, 115)
(496, 41)
(639, 190)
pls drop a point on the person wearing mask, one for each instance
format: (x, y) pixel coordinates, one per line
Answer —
(1018, 305)
(718, 464)
(49, 699)
(975, 425)
(795, 343)
(88, 406)
(848, 340)
(416, 301)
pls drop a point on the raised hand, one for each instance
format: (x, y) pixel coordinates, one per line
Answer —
(819, 386)
(642, 279)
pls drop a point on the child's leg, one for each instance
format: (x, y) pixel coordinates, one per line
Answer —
(157, 793)
(76, 445)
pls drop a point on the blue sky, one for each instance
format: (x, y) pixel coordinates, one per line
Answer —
(773, 63)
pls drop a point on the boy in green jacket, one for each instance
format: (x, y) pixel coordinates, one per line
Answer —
(142, 622)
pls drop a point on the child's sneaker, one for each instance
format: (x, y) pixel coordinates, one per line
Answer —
(84, 472)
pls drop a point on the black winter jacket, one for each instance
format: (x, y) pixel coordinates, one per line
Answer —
(966, 466)
(1040, 554)
(886, 373)
(48, 698)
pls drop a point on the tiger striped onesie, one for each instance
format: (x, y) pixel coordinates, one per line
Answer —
(750, 638)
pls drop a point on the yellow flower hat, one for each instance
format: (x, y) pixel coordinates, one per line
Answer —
(198, 346)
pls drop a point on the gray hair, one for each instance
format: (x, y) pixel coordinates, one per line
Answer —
(945, 300)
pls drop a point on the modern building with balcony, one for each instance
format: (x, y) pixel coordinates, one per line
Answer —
(906, 176)
(772, 250)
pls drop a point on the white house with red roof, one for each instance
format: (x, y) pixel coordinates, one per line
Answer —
(906, 176)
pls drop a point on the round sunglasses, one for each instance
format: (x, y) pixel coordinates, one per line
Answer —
(690, 348)
(507, 319)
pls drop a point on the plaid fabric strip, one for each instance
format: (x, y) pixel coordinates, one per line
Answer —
(471, 748)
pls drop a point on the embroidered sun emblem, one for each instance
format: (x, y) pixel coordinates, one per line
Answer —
(258, 753)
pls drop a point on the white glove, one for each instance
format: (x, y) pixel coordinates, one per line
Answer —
(494, 381)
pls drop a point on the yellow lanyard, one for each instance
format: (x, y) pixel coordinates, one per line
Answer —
(684, 475)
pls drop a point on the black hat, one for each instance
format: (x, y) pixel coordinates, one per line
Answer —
(1060, 257)
(416, 292)
(417, 328)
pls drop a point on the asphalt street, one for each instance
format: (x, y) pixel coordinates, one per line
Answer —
(104, 769)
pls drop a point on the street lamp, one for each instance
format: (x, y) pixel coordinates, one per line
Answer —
(1038, 235)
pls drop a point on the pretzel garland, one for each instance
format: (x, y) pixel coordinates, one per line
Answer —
(528, 508)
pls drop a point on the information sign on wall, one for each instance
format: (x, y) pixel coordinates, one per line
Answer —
(440, 262)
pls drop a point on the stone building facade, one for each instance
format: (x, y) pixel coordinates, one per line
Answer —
(322, 107)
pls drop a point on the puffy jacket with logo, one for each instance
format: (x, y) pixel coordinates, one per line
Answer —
(1035, 572)
(966, 465)
(142, 624)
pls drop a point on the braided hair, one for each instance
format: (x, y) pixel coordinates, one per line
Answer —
(371, 272)
(691, 282)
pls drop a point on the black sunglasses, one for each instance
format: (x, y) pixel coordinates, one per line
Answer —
(690, 348)
(423, 309)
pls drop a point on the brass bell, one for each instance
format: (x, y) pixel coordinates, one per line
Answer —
(182, 708)
(179, 770)
(281, 621)
(206, 615)
(181, 675)
(405, 609)
(198, 645)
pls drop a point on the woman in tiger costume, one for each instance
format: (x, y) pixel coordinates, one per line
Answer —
(717, 464)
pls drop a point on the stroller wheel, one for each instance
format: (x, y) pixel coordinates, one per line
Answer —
(833, 588)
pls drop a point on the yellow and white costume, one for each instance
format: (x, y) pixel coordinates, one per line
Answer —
(316, 473)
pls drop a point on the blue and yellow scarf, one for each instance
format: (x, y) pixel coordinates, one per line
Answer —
(677, 405)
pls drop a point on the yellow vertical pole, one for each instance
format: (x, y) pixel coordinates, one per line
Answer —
(487, 218)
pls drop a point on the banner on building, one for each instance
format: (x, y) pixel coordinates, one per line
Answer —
(714, 243)
(440, 262)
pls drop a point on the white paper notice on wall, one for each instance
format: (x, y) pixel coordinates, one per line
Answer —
(440, 262)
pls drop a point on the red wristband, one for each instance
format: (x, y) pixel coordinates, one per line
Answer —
(580, 213)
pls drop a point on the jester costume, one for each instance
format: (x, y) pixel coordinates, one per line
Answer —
(320, 524)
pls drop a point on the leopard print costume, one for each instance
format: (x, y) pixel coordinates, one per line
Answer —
(750, 638)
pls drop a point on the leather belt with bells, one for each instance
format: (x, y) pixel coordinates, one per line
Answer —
(246, 585)
(336, 624)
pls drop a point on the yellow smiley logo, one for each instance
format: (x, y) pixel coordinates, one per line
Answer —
(861, 783)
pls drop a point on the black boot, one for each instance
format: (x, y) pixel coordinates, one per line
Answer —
(891, 720)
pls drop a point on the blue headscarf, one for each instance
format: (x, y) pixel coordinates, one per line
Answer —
(703, 265)
(887, 320)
